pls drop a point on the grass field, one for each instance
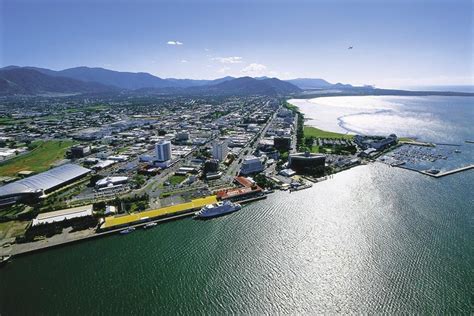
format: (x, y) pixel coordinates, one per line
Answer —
(12, 121)
(318, 133)
(39, 159)
(176, 179)
(12, 229)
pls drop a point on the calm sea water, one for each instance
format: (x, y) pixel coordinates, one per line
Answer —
(373, 239)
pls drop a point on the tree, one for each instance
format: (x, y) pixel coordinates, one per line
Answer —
(138, 180)
(308, 141)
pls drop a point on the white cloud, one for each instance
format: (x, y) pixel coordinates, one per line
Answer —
(174, 43)
(223, 70)
(229, 60)
(257, 70)
(184, 61)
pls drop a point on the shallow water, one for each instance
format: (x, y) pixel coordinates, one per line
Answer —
(431, 118)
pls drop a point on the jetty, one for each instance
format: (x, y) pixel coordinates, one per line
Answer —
(416, 143)
(446, 173)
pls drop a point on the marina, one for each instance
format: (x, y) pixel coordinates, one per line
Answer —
(437, 161)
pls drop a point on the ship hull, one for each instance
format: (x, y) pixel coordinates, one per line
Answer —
(212, 213)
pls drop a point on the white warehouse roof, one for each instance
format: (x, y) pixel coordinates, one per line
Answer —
(59, 216)
(44, 181)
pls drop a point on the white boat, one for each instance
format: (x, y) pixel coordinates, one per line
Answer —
(4, 260)
(217, 209)
(127, 231)
(150, 225)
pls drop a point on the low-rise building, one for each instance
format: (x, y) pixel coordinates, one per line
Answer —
(307, 163)
(80, 151)
(63, 215)
(376, 142)
(110, 182)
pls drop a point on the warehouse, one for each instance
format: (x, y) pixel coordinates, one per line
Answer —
(36, 186)
(63, 215)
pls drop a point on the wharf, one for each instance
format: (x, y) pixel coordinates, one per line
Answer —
(257, 198)
(146, 216)
(301, 187)
(60, 240)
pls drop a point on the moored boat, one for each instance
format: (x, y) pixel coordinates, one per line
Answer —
(127, 231)
(4, 260)
(217, 209)
(150, 225)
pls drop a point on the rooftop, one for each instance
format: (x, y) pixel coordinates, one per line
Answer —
(59, 216)
(45, 180)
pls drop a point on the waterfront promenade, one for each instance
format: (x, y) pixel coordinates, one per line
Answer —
(111, 224)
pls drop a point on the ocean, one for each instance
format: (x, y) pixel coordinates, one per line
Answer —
(373, 239)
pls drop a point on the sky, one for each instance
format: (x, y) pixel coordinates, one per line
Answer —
(395, 43)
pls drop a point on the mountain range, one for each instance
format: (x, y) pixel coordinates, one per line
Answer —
(15, 80)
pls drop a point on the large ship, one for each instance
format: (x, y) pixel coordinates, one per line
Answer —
(217, 209)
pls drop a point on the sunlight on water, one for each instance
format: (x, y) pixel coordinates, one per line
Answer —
(372, 239)
(433, 118)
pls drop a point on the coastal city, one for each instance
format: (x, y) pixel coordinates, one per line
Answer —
(82, 169)
(236, 157)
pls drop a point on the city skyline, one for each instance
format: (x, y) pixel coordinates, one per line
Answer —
(392, 46)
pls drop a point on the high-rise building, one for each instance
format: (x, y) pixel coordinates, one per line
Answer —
(282, 143)
(220, 150)
(163, 150)
(251, 164)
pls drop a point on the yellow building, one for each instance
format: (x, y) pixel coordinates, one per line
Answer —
(122, 220)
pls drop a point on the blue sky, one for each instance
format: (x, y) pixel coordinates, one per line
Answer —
(396, 43)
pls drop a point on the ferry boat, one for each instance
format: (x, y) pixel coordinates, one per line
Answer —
(150, 225)
(127, 231)
(217, 209)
